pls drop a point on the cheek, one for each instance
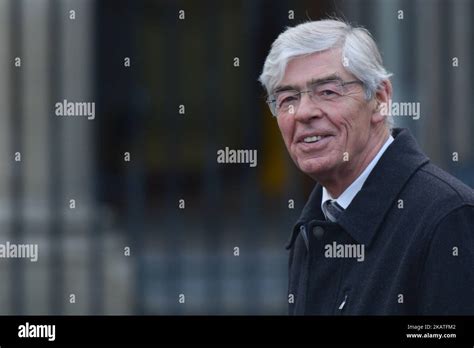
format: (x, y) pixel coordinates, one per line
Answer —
(347, 120)
(354, 128)
(342, 123)
(286, 128)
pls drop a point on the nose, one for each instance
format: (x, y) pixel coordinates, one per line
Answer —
(307, 109)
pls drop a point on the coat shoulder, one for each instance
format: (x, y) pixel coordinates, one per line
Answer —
(444, 187)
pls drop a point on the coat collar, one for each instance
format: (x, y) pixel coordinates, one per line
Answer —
(378, 194)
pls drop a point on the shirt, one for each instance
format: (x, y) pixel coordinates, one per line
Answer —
(349, 193)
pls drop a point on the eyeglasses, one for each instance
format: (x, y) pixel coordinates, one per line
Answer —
(287, 101)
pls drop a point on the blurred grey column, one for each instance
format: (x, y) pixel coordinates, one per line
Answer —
(428, 73)
(74, 67)
(16, 182)
(35, 159)
(461, 80)
(391, 43)
(82, 249)
(6, 156)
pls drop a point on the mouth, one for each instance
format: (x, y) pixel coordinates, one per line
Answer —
(314, 142)
(314, 139)
(310, 139)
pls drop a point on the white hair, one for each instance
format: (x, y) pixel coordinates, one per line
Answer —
(360, 55)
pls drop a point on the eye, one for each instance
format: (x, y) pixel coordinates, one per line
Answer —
(288, 99)
(327, 92)
(285, 100)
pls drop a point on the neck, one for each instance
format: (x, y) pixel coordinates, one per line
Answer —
(338, 183)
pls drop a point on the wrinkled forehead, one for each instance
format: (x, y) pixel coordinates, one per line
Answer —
(301, 70)
(313, 82)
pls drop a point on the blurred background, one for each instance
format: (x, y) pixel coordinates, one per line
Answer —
(135, 204)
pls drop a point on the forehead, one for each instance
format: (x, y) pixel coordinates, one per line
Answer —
(300, 70)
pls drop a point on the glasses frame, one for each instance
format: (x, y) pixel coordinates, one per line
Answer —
(271, 100)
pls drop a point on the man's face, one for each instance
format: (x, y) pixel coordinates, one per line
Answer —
(344, 123)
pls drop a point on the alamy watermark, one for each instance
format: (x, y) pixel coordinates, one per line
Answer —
(23, 251)
(335, 250)
(237, 156)
(67, 108)
(28, 330)
(410, 109)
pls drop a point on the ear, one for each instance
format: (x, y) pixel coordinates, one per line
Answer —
(382, 98)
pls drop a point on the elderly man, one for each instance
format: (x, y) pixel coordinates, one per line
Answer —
(384, 231)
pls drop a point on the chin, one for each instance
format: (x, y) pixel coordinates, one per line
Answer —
(314, 166)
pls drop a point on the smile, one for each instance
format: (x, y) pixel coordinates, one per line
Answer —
(314, 138)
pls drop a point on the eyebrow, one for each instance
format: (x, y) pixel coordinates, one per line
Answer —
(331, 77)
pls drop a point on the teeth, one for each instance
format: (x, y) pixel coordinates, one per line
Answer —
(312, 139)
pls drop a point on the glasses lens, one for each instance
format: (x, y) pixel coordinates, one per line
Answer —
(328, 90)
(286, 100)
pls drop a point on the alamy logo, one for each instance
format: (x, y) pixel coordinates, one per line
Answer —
(410, 109)
(37, 331)
(66, 108)
(23, 251)
(237, 156)
(336, 250)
